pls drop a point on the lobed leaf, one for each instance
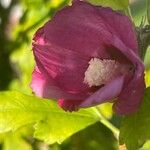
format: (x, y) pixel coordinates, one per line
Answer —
(51, 123)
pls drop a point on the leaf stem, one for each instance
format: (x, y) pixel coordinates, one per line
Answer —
(108, 124)
(128, 13)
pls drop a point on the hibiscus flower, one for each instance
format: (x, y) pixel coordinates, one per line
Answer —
(88, 55)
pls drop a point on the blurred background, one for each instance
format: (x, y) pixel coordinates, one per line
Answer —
(19, 20)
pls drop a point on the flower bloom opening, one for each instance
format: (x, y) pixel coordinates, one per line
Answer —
(65, 71)
(100, 71)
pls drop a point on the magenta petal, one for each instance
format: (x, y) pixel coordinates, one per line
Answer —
(105, 94)
(131, 96)
(120, 26)
(132, 93)
(69, 105)
(64, 67)
(38, 83)
(80, 29)
(85, 28)
(47, 89)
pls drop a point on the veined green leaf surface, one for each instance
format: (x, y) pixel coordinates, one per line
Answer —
(52, 124)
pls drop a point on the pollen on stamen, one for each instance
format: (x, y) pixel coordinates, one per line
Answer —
(100, 71)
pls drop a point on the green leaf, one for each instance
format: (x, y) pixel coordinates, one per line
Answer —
(114, 4)
(146, 146)
(51, 123)
(147, 78)
(146, 59)
(94, 137)
(18, 140)
(15, 142)
(135, 129)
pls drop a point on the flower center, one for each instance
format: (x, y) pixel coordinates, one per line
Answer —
(100, 71)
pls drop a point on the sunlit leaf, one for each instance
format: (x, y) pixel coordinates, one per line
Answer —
(146, 146)
(106, 110)
(135, 128)
(147, 60)
(21, 139)
(147, 78)
(51, 123)
(15, 142)
(114, 4)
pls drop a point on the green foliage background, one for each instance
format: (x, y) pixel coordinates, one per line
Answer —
(29, 128)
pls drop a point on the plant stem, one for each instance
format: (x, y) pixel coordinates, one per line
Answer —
(128, 13)
(108, 124)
